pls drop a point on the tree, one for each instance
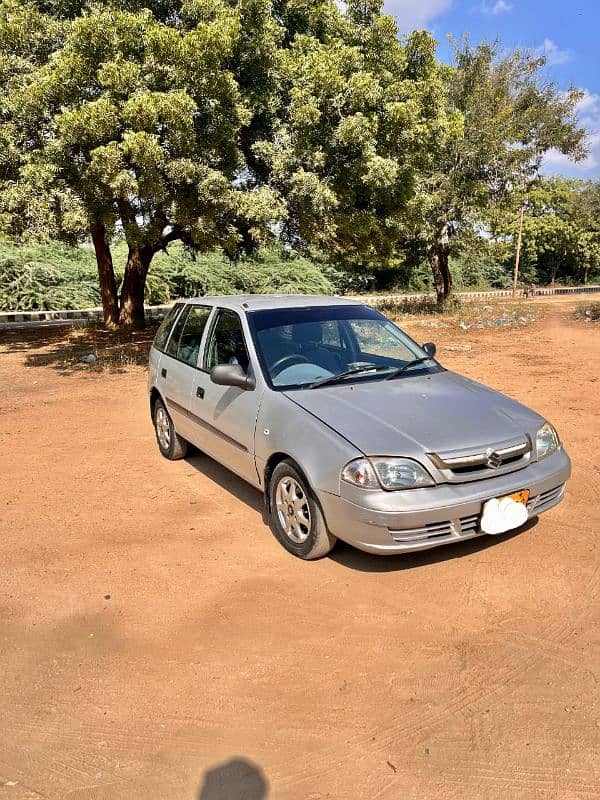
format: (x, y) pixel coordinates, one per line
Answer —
(359, 114)
(220, 124)
(511, 118)
(561, 229)
(134, 111)
(587, 203)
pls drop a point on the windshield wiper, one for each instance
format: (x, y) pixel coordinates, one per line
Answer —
(412, 363)
(346, 374)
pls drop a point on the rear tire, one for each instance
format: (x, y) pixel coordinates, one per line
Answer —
(296, 519)
(170, 444)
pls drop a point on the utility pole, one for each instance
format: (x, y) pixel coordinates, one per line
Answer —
(518, 255)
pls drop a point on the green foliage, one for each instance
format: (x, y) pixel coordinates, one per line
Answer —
(51, 276)
(509, 117)
(45, 277)
(235, 125)
(271, 272)
(561, 231)
(224, 118)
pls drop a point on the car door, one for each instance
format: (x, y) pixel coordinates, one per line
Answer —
(159, 344)
(227, 414)
(179, 366)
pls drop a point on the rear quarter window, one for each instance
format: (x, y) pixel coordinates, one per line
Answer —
(162, 334)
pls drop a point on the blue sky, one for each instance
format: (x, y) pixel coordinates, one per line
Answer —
(567, 33)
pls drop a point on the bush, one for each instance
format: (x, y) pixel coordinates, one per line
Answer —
(52, 276)
(46, 277)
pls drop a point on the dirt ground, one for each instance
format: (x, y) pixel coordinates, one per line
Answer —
(156, 643)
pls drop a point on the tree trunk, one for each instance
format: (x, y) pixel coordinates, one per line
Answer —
(106, 275)
(438, 258)
(134, 282)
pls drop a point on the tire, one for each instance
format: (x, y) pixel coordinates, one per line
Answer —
(299, 526)
(170, 444)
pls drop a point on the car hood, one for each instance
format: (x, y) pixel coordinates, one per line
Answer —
(417, 414)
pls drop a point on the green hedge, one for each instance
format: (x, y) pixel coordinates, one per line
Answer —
(51, 276)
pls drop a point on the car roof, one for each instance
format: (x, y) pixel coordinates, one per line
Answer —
(260, 302)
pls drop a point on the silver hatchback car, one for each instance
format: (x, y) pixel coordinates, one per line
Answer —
(349, 427)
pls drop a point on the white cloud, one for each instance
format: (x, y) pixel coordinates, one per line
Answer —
(499, 7)
(411, 15)
(553, 54)
(588, 110)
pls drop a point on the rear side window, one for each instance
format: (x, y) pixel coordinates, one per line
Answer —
(188, 345)
(162, 334)
(176, 335)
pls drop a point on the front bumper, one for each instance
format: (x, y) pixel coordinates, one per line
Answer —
(419, 519)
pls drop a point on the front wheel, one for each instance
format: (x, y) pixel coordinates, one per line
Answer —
(296, 519)
(170, 444)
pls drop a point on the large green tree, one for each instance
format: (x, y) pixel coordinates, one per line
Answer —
(218, 123)
(361, 112)
(511, 117)
(135, 111)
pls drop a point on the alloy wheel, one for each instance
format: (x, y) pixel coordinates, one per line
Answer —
(163, 428)
(293, 510)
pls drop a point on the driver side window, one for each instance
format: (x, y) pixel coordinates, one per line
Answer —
(226, 344)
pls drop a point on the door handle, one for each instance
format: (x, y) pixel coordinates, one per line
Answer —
(200, 392)
(163, 372)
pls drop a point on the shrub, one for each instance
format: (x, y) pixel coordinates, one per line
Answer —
(51, 276)
(46, 277)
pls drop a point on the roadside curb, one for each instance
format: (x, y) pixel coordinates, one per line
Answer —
(9, 318)
(377, 299)
(82, 314)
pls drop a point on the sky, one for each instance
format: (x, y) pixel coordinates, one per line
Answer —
(566, 33)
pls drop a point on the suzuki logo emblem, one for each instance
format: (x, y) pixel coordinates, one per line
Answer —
(493, 459)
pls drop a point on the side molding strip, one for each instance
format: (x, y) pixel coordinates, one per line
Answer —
(203, 424)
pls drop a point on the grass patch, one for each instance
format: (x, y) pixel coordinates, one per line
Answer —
(496, 315)
(463, 315)
(420, 306)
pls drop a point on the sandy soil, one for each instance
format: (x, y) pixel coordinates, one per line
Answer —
(157, 643)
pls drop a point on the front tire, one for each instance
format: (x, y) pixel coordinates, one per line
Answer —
(296, 519)
(170, 444)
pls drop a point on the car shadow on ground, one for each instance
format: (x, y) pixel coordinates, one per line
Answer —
(237, 779)
(227, 480)
(343, 553)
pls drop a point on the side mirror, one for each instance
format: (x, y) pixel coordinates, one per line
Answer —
(430, 349)
(231, 375)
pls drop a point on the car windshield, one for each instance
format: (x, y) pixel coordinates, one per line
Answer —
(305, 347)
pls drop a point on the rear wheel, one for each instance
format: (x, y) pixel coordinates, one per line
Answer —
(170, 444)
(296, 519)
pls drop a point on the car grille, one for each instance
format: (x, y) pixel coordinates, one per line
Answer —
(541, 501)
(498, 459)
(433, 531)
(466, 527)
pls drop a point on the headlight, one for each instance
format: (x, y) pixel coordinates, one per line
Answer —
(390, 473)
(546, 441)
